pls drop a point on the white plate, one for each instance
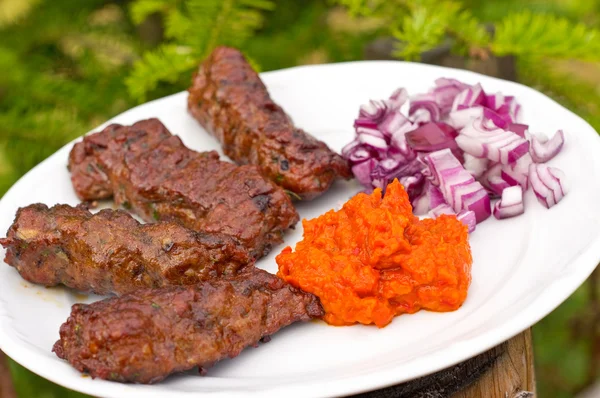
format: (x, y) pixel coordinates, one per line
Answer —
(523, 267)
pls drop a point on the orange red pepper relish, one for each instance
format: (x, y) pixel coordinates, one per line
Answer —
(373, 260)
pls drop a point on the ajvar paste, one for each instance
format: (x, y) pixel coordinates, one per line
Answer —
(373, 260)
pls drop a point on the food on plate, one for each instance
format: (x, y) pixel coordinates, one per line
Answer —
(480, 130)
(373, 260)
(144, 336)
(511, 204)
(151, 172)
(230, 101)
(111, 252)
(459, 189)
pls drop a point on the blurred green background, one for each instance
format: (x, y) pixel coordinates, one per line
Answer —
(69, 65)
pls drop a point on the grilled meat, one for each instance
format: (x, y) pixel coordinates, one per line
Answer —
(144, 336)
(154, 174)
(111, 252)
(229, 100)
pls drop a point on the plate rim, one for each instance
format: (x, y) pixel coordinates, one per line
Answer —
(26, 356)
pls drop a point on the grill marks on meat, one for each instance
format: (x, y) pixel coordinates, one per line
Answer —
(111, 252)
(229, 100)
(154, 174)
(144, 336)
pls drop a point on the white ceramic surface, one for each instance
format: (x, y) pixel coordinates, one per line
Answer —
(523, 267)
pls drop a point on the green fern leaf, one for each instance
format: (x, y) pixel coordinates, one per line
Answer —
(141, 9)
(178, 26)
(228, 22)
(165, 64)
(421, 31)
(542, 35)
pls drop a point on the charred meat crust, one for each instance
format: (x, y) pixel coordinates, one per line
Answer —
(147, 335)
(111, 252)
(229, 100)
(152, 173)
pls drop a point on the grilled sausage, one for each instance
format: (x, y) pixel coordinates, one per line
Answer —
(230, 101)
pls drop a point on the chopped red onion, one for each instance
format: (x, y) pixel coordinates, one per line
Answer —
(456, 149)
(544, 150)
(393, 122)
(468, 218)
(468, 98)
(397, 99)
(475, 166)
(431, 137)
(423, 108)
(435, 196)
(374, 110)
(511, 203)
(497, 145)
(460, 118)
(519, 129)
(459, 188)
(362, 171)
(441, 209)
(420, 204)
(517, 172)
(548, 184)
(497, 185)
(414, 185)
(445, 92)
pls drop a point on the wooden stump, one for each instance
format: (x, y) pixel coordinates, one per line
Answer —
(506, 371)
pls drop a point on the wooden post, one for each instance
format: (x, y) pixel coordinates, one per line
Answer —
(506, 371)
(6, 386)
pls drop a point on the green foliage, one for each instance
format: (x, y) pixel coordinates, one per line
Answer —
(542, 35)
(29, 385)
(64, 67)
(360, 7)
(11, 11)
(165, 64)
(142, 9)
(193, 28)
(428, 23)
(421, 25)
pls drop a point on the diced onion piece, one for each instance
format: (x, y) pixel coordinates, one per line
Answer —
(542, 151)
(460, 118)
(362, 171)
(497, 144)
(520, 129)
(420, 204)
(435, 196)
(517, 172)
(375, 110)
(423, 108)
(459, 188)
(392, 122)
(548, 184)
(475, 166)
(511, 203)
(414, 185)
(497, 184)
(468, 218)
(469, 98)
(445, 91)
(442, 209)
(397, 99)
(432, 137)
